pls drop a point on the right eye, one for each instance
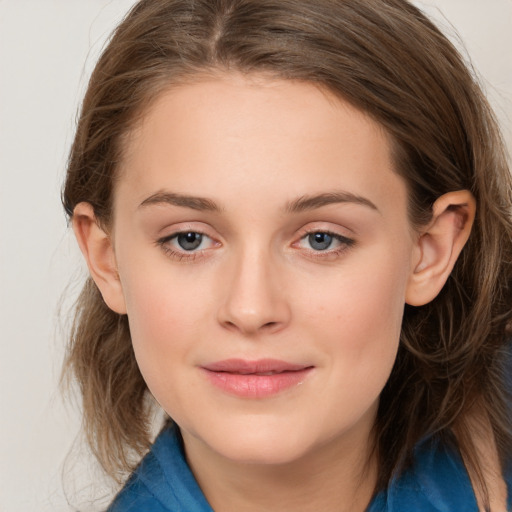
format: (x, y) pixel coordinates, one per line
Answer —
(320, 241)
(186, 244)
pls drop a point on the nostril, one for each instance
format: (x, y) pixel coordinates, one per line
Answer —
(269, 326)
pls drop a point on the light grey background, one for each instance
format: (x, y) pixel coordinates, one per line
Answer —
(47, 50)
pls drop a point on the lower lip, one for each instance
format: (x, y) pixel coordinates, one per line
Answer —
(256, 386)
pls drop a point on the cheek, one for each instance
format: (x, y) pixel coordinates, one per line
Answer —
(358, 321)
(376, 306)
(164, 316)
(362, 297)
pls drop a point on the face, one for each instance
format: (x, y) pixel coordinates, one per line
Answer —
(263, 248)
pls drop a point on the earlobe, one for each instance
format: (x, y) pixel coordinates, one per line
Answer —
(439, 246)
(96, 246)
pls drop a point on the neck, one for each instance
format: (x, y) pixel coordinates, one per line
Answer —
(339, 476)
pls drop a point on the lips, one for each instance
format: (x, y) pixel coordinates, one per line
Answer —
(255, 379)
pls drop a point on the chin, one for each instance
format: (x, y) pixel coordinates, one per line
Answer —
(260, 444)
(266, 453)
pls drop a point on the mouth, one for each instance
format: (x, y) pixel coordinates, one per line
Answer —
(255, 379)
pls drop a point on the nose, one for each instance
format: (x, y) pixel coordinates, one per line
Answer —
(254, 296)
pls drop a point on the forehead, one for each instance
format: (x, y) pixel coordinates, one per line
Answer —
(256, 134)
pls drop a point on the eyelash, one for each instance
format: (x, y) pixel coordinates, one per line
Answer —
(346, 244)
(180, 255)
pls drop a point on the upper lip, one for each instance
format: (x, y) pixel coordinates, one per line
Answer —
(260, 366)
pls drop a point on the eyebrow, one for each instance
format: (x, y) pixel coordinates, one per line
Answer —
(306, 203)
(195, 203)
(302, 204)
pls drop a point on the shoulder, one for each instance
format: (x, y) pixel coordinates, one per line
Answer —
(162, 482)
(145, 489)
(136, 497)
(437, 481)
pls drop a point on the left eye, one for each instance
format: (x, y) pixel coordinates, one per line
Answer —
(322, 241)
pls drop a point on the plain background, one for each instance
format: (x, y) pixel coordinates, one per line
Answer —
(47, 51)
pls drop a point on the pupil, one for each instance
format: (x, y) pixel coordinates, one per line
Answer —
(320, 241)
(190, 241)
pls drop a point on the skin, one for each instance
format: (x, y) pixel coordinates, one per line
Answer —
(257, 288)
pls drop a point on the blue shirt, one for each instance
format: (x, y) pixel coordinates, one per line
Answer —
(163, 482)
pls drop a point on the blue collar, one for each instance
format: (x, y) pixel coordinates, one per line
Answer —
(437, 482)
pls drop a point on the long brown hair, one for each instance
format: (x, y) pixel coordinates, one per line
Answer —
(387, 59)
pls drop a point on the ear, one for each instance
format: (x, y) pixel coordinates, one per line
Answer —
(439, 246)
(96, 246)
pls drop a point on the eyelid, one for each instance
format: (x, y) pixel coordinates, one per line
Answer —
(185, 227)
(182, 254)
(346, 243)
(175, 235)
(318, 227)
(337, 236)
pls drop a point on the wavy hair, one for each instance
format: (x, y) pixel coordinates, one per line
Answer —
(388, 60)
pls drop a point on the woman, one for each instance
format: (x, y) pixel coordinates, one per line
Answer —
(296, 216)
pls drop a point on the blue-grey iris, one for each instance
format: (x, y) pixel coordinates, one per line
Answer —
(189, 241)
(320, 241)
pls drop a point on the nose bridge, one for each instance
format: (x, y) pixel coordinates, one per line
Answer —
(254, 298)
